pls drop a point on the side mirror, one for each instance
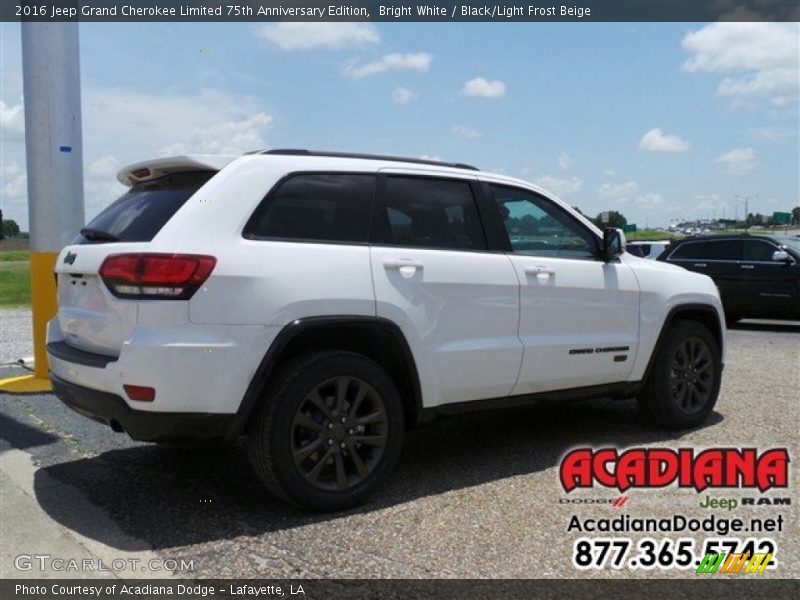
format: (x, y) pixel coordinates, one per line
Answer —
(781, 256)
(613, 244)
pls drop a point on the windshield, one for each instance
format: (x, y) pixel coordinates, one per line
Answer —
(139, 214)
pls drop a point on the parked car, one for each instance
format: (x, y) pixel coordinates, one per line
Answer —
(758, 276)
(321, 303)
(651, 250)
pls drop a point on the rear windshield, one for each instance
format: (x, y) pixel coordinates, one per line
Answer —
(139, 214)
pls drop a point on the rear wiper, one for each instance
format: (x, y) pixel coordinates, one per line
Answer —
(98, 235)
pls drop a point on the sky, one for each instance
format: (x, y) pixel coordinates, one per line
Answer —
(660, 121)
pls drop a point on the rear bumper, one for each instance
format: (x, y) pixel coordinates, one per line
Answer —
(144, 426)
(195, 369)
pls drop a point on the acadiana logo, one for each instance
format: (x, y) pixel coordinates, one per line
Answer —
(660, 467)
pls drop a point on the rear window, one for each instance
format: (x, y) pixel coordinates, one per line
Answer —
(426, 212)
(688, 251)
(139, 214)
(723, 250)
(332, 207)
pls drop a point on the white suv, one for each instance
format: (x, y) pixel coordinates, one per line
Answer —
(322, 303)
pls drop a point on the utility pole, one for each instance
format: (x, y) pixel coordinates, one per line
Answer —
(747, 207)
(54, 161)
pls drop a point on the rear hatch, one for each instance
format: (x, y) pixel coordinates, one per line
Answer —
(97, 315)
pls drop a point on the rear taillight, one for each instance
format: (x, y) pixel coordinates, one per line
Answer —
(156, 276)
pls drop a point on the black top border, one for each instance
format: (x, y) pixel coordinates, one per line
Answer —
(259, 11)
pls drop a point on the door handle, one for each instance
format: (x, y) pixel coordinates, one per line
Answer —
(395, 264)
(746, 266)
(539, 270)
(700, 265)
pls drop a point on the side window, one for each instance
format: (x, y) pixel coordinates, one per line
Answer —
(757, 251)
(538, 228)
(723, 250)
(689, 251)
(329, 207)
(429, 213)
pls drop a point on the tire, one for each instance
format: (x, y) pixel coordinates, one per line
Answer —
(683, 384)
(298, 445)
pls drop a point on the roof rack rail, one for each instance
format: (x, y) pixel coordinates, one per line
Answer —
(419, 161)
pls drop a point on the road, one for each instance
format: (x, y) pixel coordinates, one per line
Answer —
(474, 496)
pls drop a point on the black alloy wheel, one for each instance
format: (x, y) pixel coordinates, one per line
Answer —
(684, 379)
(339, 433)
(328, 430)
(692, 375)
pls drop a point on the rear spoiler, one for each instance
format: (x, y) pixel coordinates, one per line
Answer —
(158, 167)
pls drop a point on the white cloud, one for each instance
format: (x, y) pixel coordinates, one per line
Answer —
(619, 192)
(228, 137)
(705, 203)
(14, 184)
(562, 188)
(12, 121)
(649, 200)
(106, 165)
(311, 36)
(466, 132)
(772, 134)
(152, 124)
(656, 140)
(413, 61)
(403, 95)
(738, 160)
(762, 59)
(564, 161)
(483, 88)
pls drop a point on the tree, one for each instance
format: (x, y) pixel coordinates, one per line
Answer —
(10, 228)
(615, 219)
(796, 215)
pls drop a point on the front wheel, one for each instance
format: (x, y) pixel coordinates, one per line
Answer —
(684, 382)
(328, 432)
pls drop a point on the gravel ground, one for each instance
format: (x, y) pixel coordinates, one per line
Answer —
(15, 334)
(473, 496)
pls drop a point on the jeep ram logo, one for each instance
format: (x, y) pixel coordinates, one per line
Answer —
(70, 258)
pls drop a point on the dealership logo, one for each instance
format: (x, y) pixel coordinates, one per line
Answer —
(70, 258)
(660, 467)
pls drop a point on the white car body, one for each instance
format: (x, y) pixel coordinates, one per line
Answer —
(479, 325)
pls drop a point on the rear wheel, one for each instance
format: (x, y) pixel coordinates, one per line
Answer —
(328, 432)
(683, 385)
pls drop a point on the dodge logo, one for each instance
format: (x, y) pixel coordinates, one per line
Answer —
(70, 258)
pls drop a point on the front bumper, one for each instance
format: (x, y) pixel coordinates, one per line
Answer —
(144, 426)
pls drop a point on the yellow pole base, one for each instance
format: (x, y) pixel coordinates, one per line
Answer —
(25, 384)
(43, 306)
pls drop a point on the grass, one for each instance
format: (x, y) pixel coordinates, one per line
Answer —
(14, 256)
(15, 278)
(649, 235)
(15, 273)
